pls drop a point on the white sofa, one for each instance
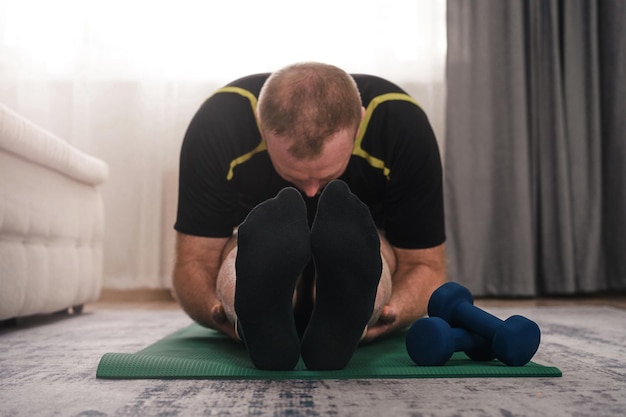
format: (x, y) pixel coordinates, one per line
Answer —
(51, 221)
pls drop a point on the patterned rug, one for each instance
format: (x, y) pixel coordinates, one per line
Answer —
(48, 368)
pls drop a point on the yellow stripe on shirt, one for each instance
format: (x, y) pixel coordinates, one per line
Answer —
(242, 92)
(358, 149)
(243, 158)
(261, 146)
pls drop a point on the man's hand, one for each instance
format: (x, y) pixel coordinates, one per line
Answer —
(221, 321)
(417, 274)
(385, 322)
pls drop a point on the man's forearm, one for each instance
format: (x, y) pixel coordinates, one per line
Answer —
(418, 273)
(198, 262)
(411, 291)
(195, 291)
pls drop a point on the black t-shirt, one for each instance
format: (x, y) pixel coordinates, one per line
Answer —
(395, 167)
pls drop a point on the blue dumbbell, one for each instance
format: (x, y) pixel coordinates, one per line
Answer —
(514, 341)
(432, 342)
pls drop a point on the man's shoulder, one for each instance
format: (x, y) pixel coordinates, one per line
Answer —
(372, 86)
(252, 83)
(234, 101)
(225, 124)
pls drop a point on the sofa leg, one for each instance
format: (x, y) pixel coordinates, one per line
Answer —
(77, 309)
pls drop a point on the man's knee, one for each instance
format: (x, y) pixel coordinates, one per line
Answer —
(231, 244)
(387, 253)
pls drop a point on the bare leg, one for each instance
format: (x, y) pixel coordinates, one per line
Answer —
(226, 279)
(383, 292)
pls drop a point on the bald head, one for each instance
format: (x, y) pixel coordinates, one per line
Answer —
(306, 104)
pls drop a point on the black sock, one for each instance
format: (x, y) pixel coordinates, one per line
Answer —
(273, 249)
(346, 251)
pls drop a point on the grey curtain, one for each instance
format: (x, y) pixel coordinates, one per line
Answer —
(535, 148)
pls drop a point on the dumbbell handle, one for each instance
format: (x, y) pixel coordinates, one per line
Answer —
(465, 340)
(475, 319)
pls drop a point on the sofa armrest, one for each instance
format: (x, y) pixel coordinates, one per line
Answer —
(29, 141)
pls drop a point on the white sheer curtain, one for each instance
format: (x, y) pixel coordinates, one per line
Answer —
(122, 79)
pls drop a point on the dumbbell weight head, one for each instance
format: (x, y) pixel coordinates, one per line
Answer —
(429, 342)
(445, 299)
(516, 341)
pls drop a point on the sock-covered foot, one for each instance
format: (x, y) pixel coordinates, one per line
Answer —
(273, 249)
(346, 251)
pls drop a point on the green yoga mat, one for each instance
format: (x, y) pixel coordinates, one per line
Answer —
(199, 353)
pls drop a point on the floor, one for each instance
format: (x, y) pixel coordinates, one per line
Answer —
(48, 368)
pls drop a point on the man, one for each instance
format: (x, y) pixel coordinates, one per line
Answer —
(321, 171)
